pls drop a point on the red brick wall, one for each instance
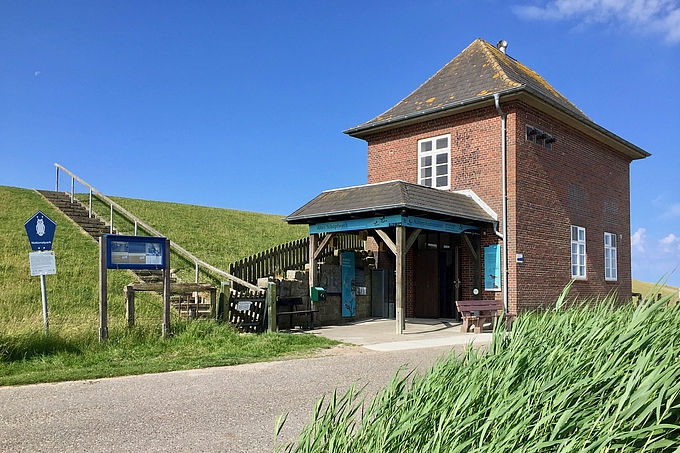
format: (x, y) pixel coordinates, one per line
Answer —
(577, 182)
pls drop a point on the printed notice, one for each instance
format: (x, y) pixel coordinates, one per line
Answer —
(42, 263)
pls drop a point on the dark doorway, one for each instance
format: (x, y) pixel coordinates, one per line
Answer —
(436, 277)
(427, 284)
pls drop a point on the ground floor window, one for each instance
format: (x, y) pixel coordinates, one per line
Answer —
(578, 252)
(610, 257)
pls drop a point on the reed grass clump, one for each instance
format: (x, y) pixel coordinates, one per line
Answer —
(589, 378)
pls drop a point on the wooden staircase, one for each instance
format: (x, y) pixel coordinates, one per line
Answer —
(77, 212)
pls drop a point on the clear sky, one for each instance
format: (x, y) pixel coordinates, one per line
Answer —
(242, 104)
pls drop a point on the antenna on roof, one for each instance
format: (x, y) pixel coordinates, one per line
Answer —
(502, 45)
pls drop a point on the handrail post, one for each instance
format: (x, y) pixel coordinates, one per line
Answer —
(56, 185)
(111, 221)
(89, 215)
(136, 228)
(196, 293)
(73, 185)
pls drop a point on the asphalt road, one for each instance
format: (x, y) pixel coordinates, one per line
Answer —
(226, 409)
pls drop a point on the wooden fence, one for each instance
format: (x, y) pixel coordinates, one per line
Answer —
(290, 256)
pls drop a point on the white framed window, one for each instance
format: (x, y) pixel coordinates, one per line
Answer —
(578, 252)
(610, 273)
(434, 162)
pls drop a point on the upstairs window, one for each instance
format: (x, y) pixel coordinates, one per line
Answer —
(610, 257)
(434, 157)
(578, 252)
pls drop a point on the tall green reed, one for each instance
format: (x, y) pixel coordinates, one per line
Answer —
(591, 377)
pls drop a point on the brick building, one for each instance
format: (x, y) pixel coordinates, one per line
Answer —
(489, 128)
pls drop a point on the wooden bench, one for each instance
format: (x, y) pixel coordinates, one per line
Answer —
(480, 312)
(292, 304)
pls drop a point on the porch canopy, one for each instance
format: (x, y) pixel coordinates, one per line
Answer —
(387, 210)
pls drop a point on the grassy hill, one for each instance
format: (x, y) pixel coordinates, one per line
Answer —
(71, 351)
(219, 236)
(645, 288)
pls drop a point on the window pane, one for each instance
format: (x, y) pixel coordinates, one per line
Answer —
(607, 240)
(426, 161)
(574, 233)
(581, 234)
(613, 240)
(442, 170)
(427, 182)
(426, 172)
(425, 146)
(441, 158)
(442, 142)
(442, 181)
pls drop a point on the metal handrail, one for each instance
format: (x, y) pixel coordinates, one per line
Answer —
(179, 250)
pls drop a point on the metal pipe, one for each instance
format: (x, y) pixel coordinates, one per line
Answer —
(111, 221)
(90, 213)
(504, 171)
(56, 186)
(73, 185)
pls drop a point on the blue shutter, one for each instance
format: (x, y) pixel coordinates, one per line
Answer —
(492, 267)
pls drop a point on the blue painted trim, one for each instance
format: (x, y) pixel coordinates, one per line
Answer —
(373, 223)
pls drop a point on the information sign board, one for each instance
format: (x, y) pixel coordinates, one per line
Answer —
(135, 252)
(42, 263)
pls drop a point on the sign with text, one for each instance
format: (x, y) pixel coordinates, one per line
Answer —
(135, 252)
(40, 230)
(42, 263)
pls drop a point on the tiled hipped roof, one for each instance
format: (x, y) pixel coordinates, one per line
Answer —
(383, 198)
(480, 70)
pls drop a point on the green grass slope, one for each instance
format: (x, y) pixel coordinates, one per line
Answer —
(646, 288)
(72, 351)
(217, 236)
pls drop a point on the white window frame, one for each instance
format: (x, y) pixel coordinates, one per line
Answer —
(578, 252)
(610, 258)
(437, 170)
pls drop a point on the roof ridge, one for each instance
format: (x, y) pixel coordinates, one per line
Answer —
(486, 48)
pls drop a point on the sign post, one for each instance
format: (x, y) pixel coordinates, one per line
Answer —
(40, 231)
(136, 253)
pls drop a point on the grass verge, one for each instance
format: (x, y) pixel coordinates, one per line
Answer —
(33, 358)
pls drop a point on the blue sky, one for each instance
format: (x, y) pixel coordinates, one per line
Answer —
(242, 104)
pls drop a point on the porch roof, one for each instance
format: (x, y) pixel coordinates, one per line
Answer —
(391, 197)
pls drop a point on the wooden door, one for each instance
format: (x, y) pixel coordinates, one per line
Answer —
(426, 284)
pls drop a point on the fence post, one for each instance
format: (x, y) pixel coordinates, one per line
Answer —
(129, 293)
(223, 308)
(270, 300)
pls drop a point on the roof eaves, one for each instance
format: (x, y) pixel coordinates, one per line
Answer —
(363, 130)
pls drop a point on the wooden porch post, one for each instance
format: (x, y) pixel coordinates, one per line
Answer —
(400, 293)
(313, 244)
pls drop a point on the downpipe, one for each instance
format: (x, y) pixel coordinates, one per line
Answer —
(504, 235)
